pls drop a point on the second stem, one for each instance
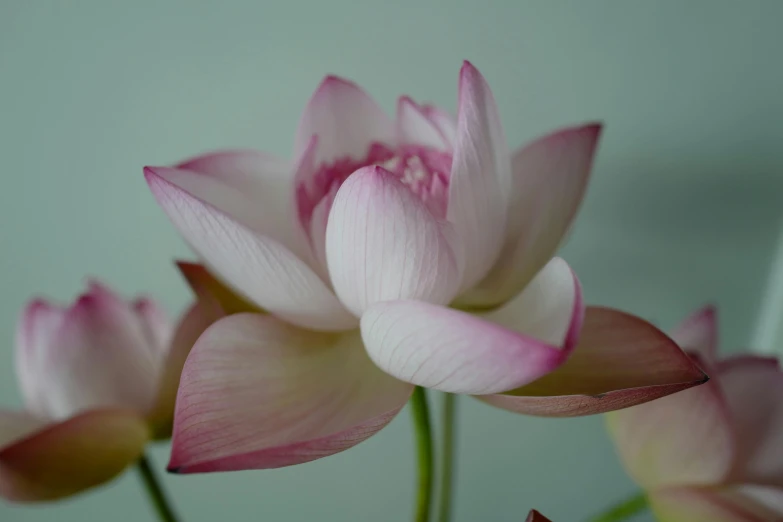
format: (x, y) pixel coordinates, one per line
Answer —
(423, 431)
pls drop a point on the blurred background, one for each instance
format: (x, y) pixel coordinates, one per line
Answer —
(684, 207)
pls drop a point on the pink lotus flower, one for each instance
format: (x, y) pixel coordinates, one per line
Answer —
(713, 453)
(99, 381)
(356, 249)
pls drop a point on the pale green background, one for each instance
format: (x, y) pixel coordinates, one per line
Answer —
(683, 208)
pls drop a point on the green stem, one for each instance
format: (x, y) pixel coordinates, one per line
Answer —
(447, 460)
(421, 425)
(155, 491)
(625, 509)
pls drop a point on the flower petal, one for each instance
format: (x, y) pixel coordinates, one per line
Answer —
(256, 266)
(155, 323)
(698, 334)
(717, 505)
(684, 439)
(549, 180)
(258, 393)
(444, 122)
(535, 516)
(100, 356)
(37, 325)
(208, 289)
(15, 425)
(480, 176)
(345, 120)
(753, 387)
(620, 361)
(68, 457)
(457, 352)
(383, 244)
(415, 127)
(193, 323)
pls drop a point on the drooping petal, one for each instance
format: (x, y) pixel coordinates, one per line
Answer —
(549, 180)
(190, 327)
(208, 289)
(383, 244)
(68, 457)
(535, 516)
(100, 356)
(698, 334)
(15, 425)
(480, 176)
(258, 393)
(684, 439)
(37, 324)
(717, 505)
(344, 119)
(255, 266)
(155, 322)
(457, 352)
(415, 127)
(619, 361)
(444, 122)
(753, 387)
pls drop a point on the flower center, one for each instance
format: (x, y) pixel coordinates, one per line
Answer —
(425, 171)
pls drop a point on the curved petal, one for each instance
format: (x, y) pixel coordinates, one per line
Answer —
(549, 180)
(457, 352)
(37, 324)
(345, 120)
(443, 121)
(155, 323)
(415, 127)
(383, 244)
(480, 176)
(190, 327)
(68, 457)
(535, 516)
(15, 425)
(256, 266)
(753, 387)
(258, 393)
(101, 357)
(698, 334)
(717, 505)
(210, 291)
(619, 361)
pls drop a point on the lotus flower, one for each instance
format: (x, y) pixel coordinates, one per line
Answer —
(535, 516)
(99, 380)
(356, 249)
(712, 453)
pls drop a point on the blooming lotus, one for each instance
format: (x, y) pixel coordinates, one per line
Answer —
(387, 254)
(712, 453)
(99, 380)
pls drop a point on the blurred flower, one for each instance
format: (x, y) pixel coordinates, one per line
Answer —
(535, 516)
(356, 249)
(712, 453)
(99, 381)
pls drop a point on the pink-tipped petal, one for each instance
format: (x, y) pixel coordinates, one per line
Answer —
(68, 457)
(415, 127)
(155, 322)
(549, 180)
(444, 123)
(480, 176)
(383, 244)
(753, 387)
(457, 352)
(100, 356)
(258, 393)
(619, 361)
(256, 266)
(698, 334)
(191, 325)
(38, 323)
(344, 119)
(15, 425)
(535, 516)
(742, 504)
(210, 291)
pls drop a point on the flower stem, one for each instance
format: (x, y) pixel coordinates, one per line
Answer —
(421, 425)
(155, 491)
(625, 509)
(447, 459)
